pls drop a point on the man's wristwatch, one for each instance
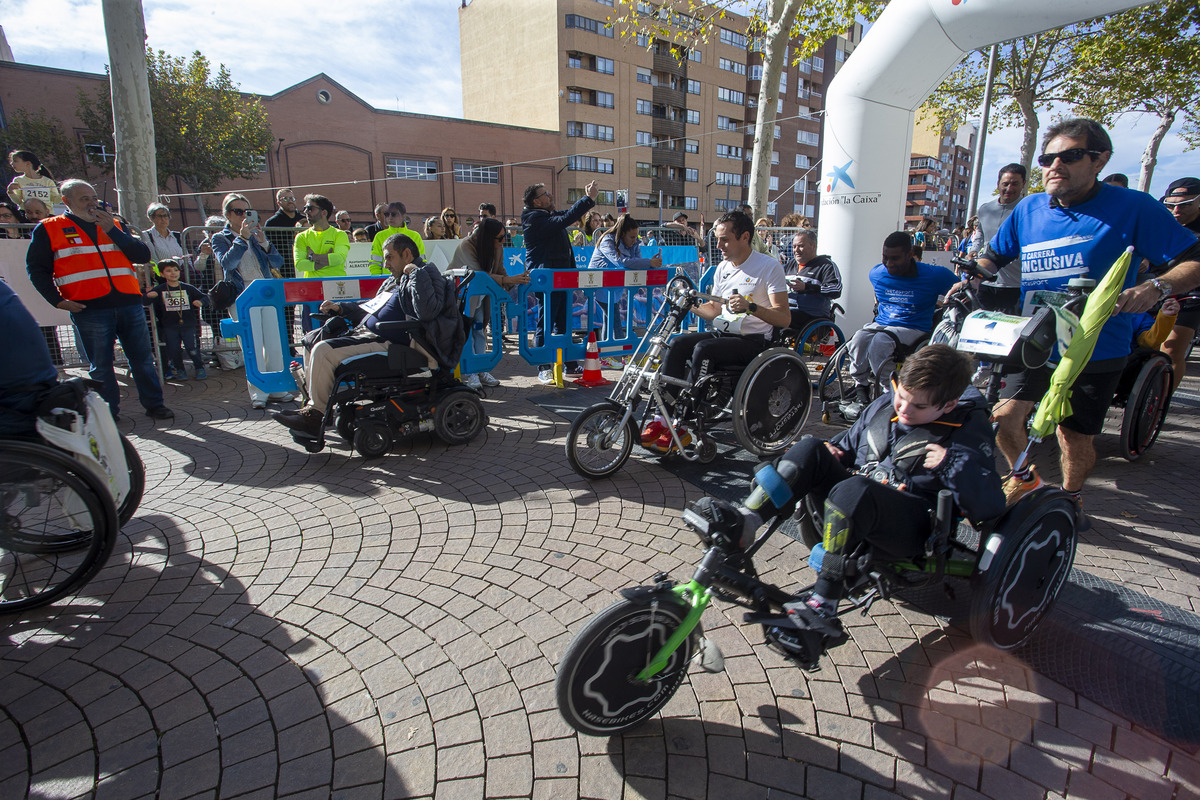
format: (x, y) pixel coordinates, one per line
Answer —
(1164, 287)
(752, 306)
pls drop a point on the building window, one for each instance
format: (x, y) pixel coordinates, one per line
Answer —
(802, 161)
(693, 87)
(605, 197)
(726, 123)
(589, 130)
(729, 151)
(691, 175)
(779, 106)
(605, 65)
(774, 183)
(695, 55)
(98, 153)
(604, 99)
(729, 179)
(589, 25)
(574, 61)
(818, 64)
(574, 95)
(778, 132)
(644, 75)
(733, 38)
(808, 137)
(411, 169)
(691, 146)
(721, 204)
(590, 164)
(646, 200)
(645, 139)
(782, 82)
(731, 96)
(645, 107)
(771, 207)
(756, 72)
(774, 156)
(693, 116)
(644, 170)
(732, 66)
(804, 65)
(589, 97)
(476, 173)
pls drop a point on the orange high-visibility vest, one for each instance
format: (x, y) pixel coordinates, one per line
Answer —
(83, 269)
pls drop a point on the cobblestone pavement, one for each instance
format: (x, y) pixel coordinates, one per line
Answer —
(279, 624)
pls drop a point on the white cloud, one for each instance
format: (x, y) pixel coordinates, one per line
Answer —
(395, 56)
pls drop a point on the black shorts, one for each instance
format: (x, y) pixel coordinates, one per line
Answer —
(1091, 394)
(1189, 318)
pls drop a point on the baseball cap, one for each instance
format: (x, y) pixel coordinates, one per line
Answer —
(1184, 187)
(678, 215)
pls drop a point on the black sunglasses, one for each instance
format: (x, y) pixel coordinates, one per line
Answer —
(241, 212)
(1066, 156)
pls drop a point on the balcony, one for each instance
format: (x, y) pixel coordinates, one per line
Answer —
(667, 186)
(662, 157)
(665, 95)
(665, 62)
(661, 126)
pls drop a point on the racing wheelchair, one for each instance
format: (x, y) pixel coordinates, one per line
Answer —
(767, 400)
(630, 658)
(64, 495)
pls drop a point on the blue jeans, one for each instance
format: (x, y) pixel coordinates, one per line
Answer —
(178, 340)
(558, 321)
(99, 330)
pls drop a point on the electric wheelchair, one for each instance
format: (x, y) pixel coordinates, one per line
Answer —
(766, 401)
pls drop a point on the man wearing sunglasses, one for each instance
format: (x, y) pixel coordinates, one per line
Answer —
(1079, 227)
(393, 220)
(1183, 201)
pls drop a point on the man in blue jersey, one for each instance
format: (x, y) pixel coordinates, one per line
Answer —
(907, 292)
(1079, 227)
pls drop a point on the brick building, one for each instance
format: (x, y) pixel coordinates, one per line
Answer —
(326, 138)
(939, 173)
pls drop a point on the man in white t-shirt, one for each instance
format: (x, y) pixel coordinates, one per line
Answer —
(755, 302)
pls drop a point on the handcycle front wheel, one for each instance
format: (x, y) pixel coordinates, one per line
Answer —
(58, 525)
(597, 443)
(771, 402)
(596, 687)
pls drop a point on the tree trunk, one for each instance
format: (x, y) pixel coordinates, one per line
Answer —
(1029, 141)
(777, 37)
(1150, 156)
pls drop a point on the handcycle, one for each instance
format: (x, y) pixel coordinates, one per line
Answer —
(631, 658)
(767, 401)
(60, 512)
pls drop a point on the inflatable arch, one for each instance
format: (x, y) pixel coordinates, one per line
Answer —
(870, 110)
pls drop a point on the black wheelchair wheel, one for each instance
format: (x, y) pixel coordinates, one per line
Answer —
(596, 686)
(808, 523)
(771, 402)
(372, 438)
(459, 417)
(816, 346)
(58, 525)
(1146, 407)
(344, 424)
(836, 383)
(597, 444)
(1023, 564)
(137, 482)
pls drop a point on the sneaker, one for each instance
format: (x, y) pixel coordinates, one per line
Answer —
(651, 432)
(160, 412)
(201, 374)
(258, 405)
(169, 374)
(546, 376)
(852, 411)
(1015, 488)
(574, 370)
(473, 382)
(612, 363)
(488, 379)
(286, 397)
(665, 444)
(1082, 521)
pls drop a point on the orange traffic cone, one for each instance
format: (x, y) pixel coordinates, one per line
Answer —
(591, 365)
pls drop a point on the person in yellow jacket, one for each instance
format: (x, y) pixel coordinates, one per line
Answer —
(393, 216)
(321, 250)
(82, 262)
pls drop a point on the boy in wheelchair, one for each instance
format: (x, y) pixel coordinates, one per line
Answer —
(907, 292)
(877, 482)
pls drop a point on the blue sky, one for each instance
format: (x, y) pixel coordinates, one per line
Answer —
(396, 55)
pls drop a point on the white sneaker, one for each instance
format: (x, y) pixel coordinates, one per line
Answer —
(546, 376)
(488, 379)
(286, 397)
(258, 404)
(852, 411)
(473, 382)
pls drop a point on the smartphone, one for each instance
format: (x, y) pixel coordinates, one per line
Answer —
(252, 215)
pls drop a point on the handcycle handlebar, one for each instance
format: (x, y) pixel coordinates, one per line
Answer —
(970, 267)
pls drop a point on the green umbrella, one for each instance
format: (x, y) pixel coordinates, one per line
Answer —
(1056, 405)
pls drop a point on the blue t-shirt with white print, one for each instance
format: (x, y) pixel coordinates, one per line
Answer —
(909, 302)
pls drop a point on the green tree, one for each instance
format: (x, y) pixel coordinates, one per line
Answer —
(1032, 74)
(773, 25)
(45, 137)
(1145, 61)
(205, 130)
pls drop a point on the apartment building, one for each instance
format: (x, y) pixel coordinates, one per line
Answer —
(939, 173)
(674, 127)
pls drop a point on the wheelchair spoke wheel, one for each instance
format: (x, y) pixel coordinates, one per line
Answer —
(1030, 562)
(816, 346)
(596, 687)
(835, 382)
(459, 418)
(771, 402)
(372, 438)
(58, 525)
(598, 444)
(1146, 407)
